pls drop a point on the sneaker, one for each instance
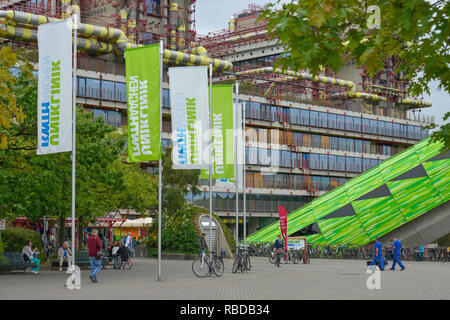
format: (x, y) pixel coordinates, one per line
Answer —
(60, 269)
(34, 272)
(402, 269)
(392, 269)
(92, 278)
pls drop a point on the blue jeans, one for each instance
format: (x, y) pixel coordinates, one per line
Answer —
(381, 261)
(95, 267)
(397, 260)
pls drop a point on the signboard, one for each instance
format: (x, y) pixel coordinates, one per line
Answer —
(2, 224)
(222, 133)
(296, 243)
(54, 88)
(190, 110)
(283, 223)
(143, 99)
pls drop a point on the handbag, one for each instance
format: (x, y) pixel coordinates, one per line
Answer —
(279, 250)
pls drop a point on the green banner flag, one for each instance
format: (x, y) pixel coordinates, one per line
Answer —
(143, 103)
(223, 133)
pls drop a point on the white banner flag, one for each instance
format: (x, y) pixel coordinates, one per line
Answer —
(55, 88)
(190, 111)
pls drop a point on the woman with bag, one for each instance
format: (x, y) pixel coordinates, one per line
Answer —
(279, 250)
(95, 254)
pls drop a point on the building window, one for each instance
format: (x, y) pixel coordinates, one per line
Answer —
(121, 92)
(107, 90)
(93, 88)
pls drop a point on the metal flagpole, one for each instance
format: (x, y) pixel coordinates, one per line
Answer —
(244, 191)
(161, 53)
(236, 170)
(210, 160)
(74, 131)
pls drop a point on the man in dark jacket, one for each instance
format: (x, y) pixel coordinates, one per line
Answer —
(279, 250)
(95, 246)
(202, 244)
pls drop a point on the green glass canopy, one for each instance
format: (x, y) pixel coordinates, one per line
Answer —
(375, 202)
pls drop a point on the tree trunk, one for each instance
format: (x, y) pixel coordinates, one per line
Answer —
(61, 232)
(80, 228)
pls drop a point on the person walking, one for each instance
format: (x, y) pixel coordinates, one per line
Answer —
(397, 251)
(279, 250)
(64, 254)
(202, 245)
(28, 254)
(378, 254)
(128, 241)
(95, 258)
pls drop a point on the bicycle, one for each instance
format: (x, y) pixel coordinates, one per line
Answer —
(242, 260)
(119, 263)
(203, 266)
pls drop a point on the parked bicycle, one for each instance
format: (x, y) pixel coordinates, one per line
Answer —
(204, 266)
(242, 260)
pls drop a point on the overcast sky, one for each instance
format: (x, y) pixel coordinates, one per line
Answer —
(213, 15)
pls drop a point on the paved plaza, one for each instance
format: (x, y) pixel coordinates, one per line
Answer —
(322, 279)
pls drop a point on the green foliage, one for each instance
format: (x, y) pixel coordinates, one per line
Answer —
(176, 184)
(40, 185)
(179, 233)
(14, 239)
(11, 112)
(441, 135)
(328, 33)
(228, 234)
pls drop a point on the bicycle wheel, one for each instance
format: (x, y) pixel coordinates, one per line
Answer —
(243, 264)
(218, 267)
(236, 264)
(128, 264)
(249, 264)
(296, 257)
(200, 269)
(117, 262)
(272, 257)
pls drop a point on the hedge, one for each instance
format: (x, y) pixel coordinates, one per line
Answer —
(14, 240)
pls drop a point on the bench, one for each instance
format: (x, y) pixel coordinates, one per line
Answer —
(15, 261)
(81, 259)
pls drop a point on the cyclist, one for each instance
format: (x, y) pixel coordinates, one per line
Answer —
(202, 244)
(279, 250)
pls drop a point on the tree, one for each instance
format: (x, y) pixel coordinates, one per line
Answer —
(35, 186)
(10, 111)
(177, 184)
(328, 33)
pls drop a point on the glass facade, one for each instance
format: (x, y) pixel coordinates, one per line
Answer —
(275, 136)
(259, 111)
(315, 161)
(110, 117)
(226, 201)
(101, 89)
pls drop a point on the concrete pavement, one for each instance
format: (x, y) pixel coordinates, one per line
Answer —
(322, 279)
